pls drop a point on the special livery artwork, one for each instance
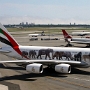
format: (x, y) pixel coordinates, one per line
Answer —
(50, 54)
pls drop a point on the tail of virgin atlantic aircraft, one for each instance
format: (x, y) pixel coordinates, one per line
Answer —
(65, 34)
(6, 39)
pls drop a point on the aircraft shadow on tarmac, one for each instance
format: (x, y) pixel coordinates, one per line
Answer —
(32, 77)
(78, 71)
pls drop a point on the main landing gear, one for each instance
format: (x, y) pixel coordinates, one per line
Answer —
(69, 45)
(88, 46)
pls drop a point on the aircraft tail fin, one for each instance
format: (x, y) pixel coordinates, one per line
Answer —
(65, 34)
(6, 39)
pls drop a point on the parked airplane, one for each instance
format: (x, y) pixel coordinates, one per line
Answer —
(34, 57)
(35, 35)
(80, 33)
(70, 39)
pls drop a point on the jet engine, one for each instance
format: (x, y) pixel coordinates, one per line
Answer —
(63, 68)
(34, 68)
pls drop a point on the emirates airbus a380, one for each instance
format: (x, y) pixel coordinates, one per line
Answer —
(34, 57)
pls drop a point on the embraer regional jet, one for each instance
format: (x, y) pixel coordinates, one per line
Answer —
(34, 57)
(70, 39)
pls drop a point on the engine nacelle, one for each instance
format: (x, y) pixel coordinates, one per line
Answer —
(34, 68)
(63, 68)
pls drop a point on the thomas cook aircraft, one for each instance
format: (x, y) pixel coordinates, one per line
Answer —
(34, 57)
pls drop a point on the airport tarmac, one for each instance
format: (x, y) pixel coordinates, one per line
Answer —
(16, 78)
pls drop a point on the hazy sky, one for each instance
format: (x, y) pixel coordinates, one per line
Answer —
(45, 11)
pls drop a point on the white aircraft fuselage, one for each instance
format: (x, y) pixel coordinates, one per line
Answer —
(50, 53)
(81, 39)
(80, 33)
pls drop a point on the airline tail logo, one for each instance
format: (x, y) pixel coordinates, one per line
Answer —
(66, 35)
(7, 39)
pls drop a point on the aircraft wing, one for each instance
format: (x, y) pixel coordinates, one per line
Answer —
(4, 51)
(47, 62)
(80, 42)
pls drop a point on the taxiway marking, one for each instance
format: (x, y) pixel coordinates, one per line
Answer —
(79, 79)
(69, 82)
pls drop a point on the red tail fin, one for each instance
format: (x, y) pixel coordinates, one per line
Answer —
(65, 34)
